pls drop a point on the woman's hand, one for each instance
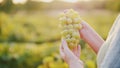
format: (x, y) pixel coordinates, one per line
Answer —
(89, 35)
(71, 57)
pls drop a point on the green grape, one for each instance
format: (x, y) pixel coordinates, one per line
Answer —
(70, 26)
(73, 39)
(72, 45)
(77, 26)
(76, 35)
(63, 20)
(64, 33)
(70, 31)
(70, 21)
(77, 20)
(68, 36)
(68, 40)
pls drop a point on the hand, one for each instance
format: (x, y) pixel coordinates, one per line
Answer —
(71, 57)
(89, 35)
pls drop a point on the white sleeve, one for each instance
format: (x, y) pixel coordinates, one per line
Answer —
(112, 56)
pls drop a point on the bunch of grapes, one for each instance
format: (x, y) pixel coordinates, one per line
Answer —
(70, 24)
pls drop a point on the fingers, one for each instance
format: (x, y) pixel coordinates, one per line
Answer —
(61, 52)
(65, 47)
(64, 44)
(89, 35)
(85, 28)
(67, 53)
(78, 51)
(85, 25)
(74, 50)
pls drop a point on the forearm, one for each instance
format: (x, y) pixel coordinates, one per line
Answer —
(91, 37)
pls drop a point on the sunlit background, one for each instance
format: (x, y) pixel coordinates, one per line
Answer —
(48, 1)
(30, 36)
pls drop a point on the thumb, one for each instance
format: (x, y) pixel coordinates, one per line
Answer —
(65, 45)
(66, 50)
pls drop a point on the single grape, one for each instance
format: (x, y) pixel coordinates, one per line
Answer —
(68, 36)
(77, 26)
(70, 26)
(73, 39)
(68, 40)
(77, 20)
(64, 33)
(76, 35)
(69, 20)
(63, 20)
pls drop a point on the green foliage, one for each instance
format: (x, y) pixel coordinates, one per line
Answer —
(6, 6)
(14, 55)
(113, 5)
(18, 55)
(29, 28)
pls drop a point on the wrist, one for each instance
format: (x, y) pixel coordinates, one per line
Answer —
(76, 64)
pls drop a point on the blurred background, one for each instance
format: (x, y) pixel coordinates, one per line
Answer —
(29, 33)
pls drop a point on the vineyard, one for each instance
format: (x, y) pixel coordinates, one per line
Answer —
(30, 35)
(31, 40)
